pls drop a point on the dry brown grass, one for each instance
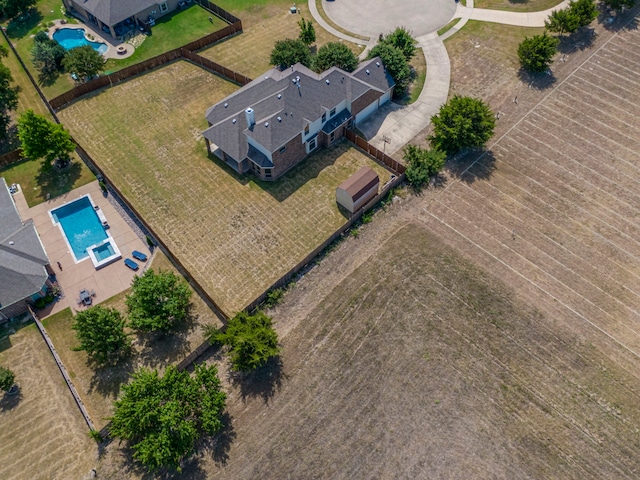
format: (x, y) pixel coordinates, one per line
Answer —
(234, 234)
(249, 52)
(100, 387)
(42, 433)
(516, 5)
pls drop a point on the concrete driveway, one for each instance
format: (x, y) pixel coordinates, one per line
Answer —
(373, 17)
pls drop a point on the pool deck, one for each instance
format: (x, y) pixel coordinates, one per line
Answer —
(113, 45)
(109, 280)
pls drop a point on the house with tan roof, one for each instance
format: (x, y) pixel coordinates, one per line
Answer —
(273, 123)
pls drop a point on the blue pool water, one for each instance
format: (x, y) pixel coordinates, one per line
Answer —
(104, 251)
(81, 226)
(74, 37)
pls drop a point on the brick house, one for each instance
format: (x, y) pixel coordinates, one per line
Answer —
(116, 17)
(272, 123)
(24, 265)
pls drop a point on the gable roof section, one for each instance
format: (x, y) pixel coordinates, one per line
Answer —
(114, 11)
(22, 257)
(283, 103)
(373, 73)
(360, 183)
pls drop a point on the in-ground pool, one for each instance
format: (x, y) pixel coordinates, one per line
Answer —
(84, 228)
(75, 37)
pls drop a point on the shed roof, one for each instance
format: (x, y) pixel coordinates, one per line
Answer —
(22, 257)
(360, 183)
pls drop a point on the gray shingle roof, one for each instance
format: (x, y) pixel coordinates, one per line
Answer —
(114, 11)
(22, 257)
(282, 108)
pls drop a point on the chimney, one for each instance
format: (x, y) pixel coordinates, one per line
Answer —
(251, 118)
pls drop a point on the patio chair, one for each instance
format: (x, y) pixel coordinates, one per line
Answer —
(139, 256)
(131, 264)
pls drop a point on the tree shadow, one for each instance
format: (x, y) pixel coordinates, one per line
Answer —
(583, 39)
(538, 81)
(46, 80)
(22, 25)
(55, 181)
(10, 141)
(473, 165)
(263, 382)
(107, 379)
(220, 444)
(9, 402)
(615, 21)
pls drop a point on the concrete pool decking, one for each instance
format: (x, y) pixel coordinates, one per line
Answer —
(112, 44)
(106, 282)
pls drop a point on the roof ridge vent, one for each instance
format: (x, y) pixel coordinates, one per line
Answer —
(279, 96)
(377, 64)
(266, 124)
(234, 121)
(226, 104)
(367, 71)
(327, 81)
(279, 119)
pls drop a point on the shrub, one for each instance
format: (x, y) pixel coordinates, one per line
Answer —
(422, 164)
(7, 379)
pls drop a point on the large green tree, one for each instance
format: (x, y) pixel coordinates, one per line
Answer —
(335, 54)
(307, 32)
(162, 417)
(101, 334)
(585, 10)
(158, 301)
(289, 52)
(536, 53)
(13, 8)
(84, 61)
(8, 95)
(251, 340)
(422, 164)
(562, 21)
(40, 138)
(7, 379)
(47, 56)
(401, 39)
(395, 63)
(462, 122)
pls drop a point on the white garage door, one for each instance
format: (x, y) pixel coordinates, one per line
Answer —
(366, 112)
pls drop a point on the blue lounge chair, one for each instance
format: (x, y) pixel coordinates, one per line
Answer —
(139, 256)
(131, 264)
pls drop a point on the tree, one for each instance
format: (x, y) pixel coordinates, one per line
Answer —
(251, 338)
(335, 54)
(422, 164)
(158, 301)
(163, 417)
(585, 10)
(536, 53)
(289, 52)
(395, 63)
(7, 379)
(47, 56)
(562, 21)
(307, 32)
(84, 61)
(13, 8)
(8, 95)
(41, 138)
(618, 5)
(401, 39)
(101, 334)
(462, 122)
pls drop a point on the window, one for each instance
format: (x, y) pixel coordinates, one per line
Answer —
(324, 117)
(163, 7)
(332, 137)
(255, 167)
(267, 172)
(332, 112)
(306, 129)
(312, 144)
(283, 148)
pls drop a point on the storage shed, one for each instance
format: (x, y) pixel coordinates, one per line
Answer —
(358, 189)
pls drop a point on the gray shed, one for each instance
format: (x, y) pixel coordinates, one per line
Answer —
(358, 189)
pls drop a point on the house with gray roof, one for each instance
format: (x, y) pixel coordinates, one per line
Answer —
(24, 265)
(115, 17)
(272, 123)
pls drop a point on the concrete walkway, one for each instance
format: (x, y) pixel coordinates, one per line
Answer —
(393, 125)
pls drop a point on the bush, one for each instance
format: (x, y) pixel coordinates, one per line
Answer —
(401, 39)
(289, 52)
(395, 63)
(274, 297)
(422, 164)
(335, 54)
(41, 36)
(536, 53)
(7, 379)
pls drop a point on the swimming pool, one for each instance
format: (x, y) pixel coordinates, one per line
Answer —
(85, 231)
(75, 37)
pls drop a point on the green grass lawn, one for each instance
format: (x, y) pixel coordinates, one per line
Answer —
(234, 234)
(36, 185)
(516, 5)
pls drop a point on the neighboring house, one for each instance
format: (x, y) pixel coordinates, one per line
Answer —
(272, 123)
(116, 17)
(24, 266)
(358, 189)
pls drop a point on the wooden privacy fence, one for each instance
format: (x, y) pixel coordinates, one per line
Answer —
(379, 155)
(216, 10)
(186, 52)
(10, 157)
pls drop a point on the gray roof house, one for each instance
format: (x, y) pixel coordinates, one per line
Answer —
(115, 17)
(24, 265)
(272, 123)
